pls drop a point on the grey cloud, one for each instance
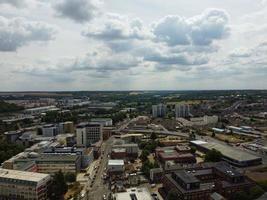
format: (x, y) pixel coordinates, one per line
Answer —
(77, 10)
(16, 3)
(17, 32)
(117, 28)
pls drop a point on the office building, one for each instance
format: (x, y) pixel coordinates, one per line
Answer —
(49, 130)
(159, 110)
(182, 110)
(88, 134)
(23, 185)
(66, 127)
(202, 182)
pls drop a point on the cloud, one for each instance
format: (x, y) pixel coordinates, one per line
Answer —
(16, 3)
(17, 32)
(202, 29)
(241, 52)
(117, 27)
(80, 11)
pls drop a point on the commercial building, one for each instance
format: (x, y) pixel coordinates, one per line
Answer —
(115, 167)
(159, 110)
(103, 121)
(88, 134)
(23, 185)
(133, 194)
(182, 110)
(200, 183)
(231, 155)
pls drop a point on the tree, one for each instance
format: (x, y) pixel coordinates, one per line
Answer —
(255, 192)
(213, 134)
(70, 177)
(153, 136)
(172, 195)
(213, 156)
(193, 149)
(240, 196)
(144, 155)
(58, 187)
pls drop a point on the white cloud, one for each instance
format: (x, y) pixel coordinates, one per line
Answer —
(17, 32)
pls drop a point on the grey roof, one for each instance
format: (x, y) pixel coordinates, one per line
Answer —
(186, 177)
(226, 169)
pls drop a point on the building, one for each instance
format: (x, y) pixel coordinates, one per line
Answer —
(182, 110)
(49, 130)
(39, 110)
(23, 185)
(131, 149)
(115, 167)
(231, 155)
(12, 136)
(201, 183)
(45, 163)
(88, 134)
(159, 110)
(103, 121)
(66, 127)
(133, 194)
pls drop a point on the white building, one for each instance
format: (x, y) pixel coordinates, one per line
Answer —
(103, 121)
(88, 134)
(115, 166)
(39, 110)
(159, 110)
(182, 110)
(23, 185)
(133, 193)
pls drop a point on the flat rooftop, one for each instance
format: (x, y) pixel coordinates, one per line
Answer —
(115, 162)
(134, 194)
(186, 177)
(22, 175)
(227, 151)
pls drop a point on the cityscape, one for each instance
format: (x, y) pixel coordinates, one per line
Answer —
(133, 100)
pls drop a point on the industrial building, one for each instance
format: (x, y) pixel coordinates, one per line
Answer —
(231, 155)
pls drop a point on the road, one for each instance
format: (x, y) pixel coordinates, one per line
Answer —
(98, 188)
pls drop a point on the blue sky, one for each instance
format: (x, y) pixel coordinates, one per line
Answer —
(132, 44)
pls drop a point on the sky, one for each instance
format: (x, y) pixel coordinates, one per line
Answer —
(63, 45)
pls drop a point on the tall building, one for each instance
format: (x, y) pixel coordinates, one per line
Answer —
(88, 134)
(182, 110)
(23, 185)
(66, 127)
(159, 110)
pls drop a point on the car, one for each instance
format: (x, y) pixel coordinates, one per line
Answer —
(104, 197)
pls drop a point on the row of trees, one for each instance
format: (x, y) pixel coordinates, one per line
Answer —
(7, 150)
(9, 107)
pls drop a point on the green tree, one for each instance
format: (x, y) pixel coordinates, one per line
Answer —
(213, 156)
(255, 192)
(172, 195)
(70, 177)
(213, 134)
(240, 196)
(153, 136)
(263, 185)
(58, 187)
(193, 149)
(144, 155)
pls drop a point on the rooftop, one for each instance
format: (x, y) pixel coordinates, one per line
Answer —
(186, 177)
(22, 175)
(134, 194)
(115, 162)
